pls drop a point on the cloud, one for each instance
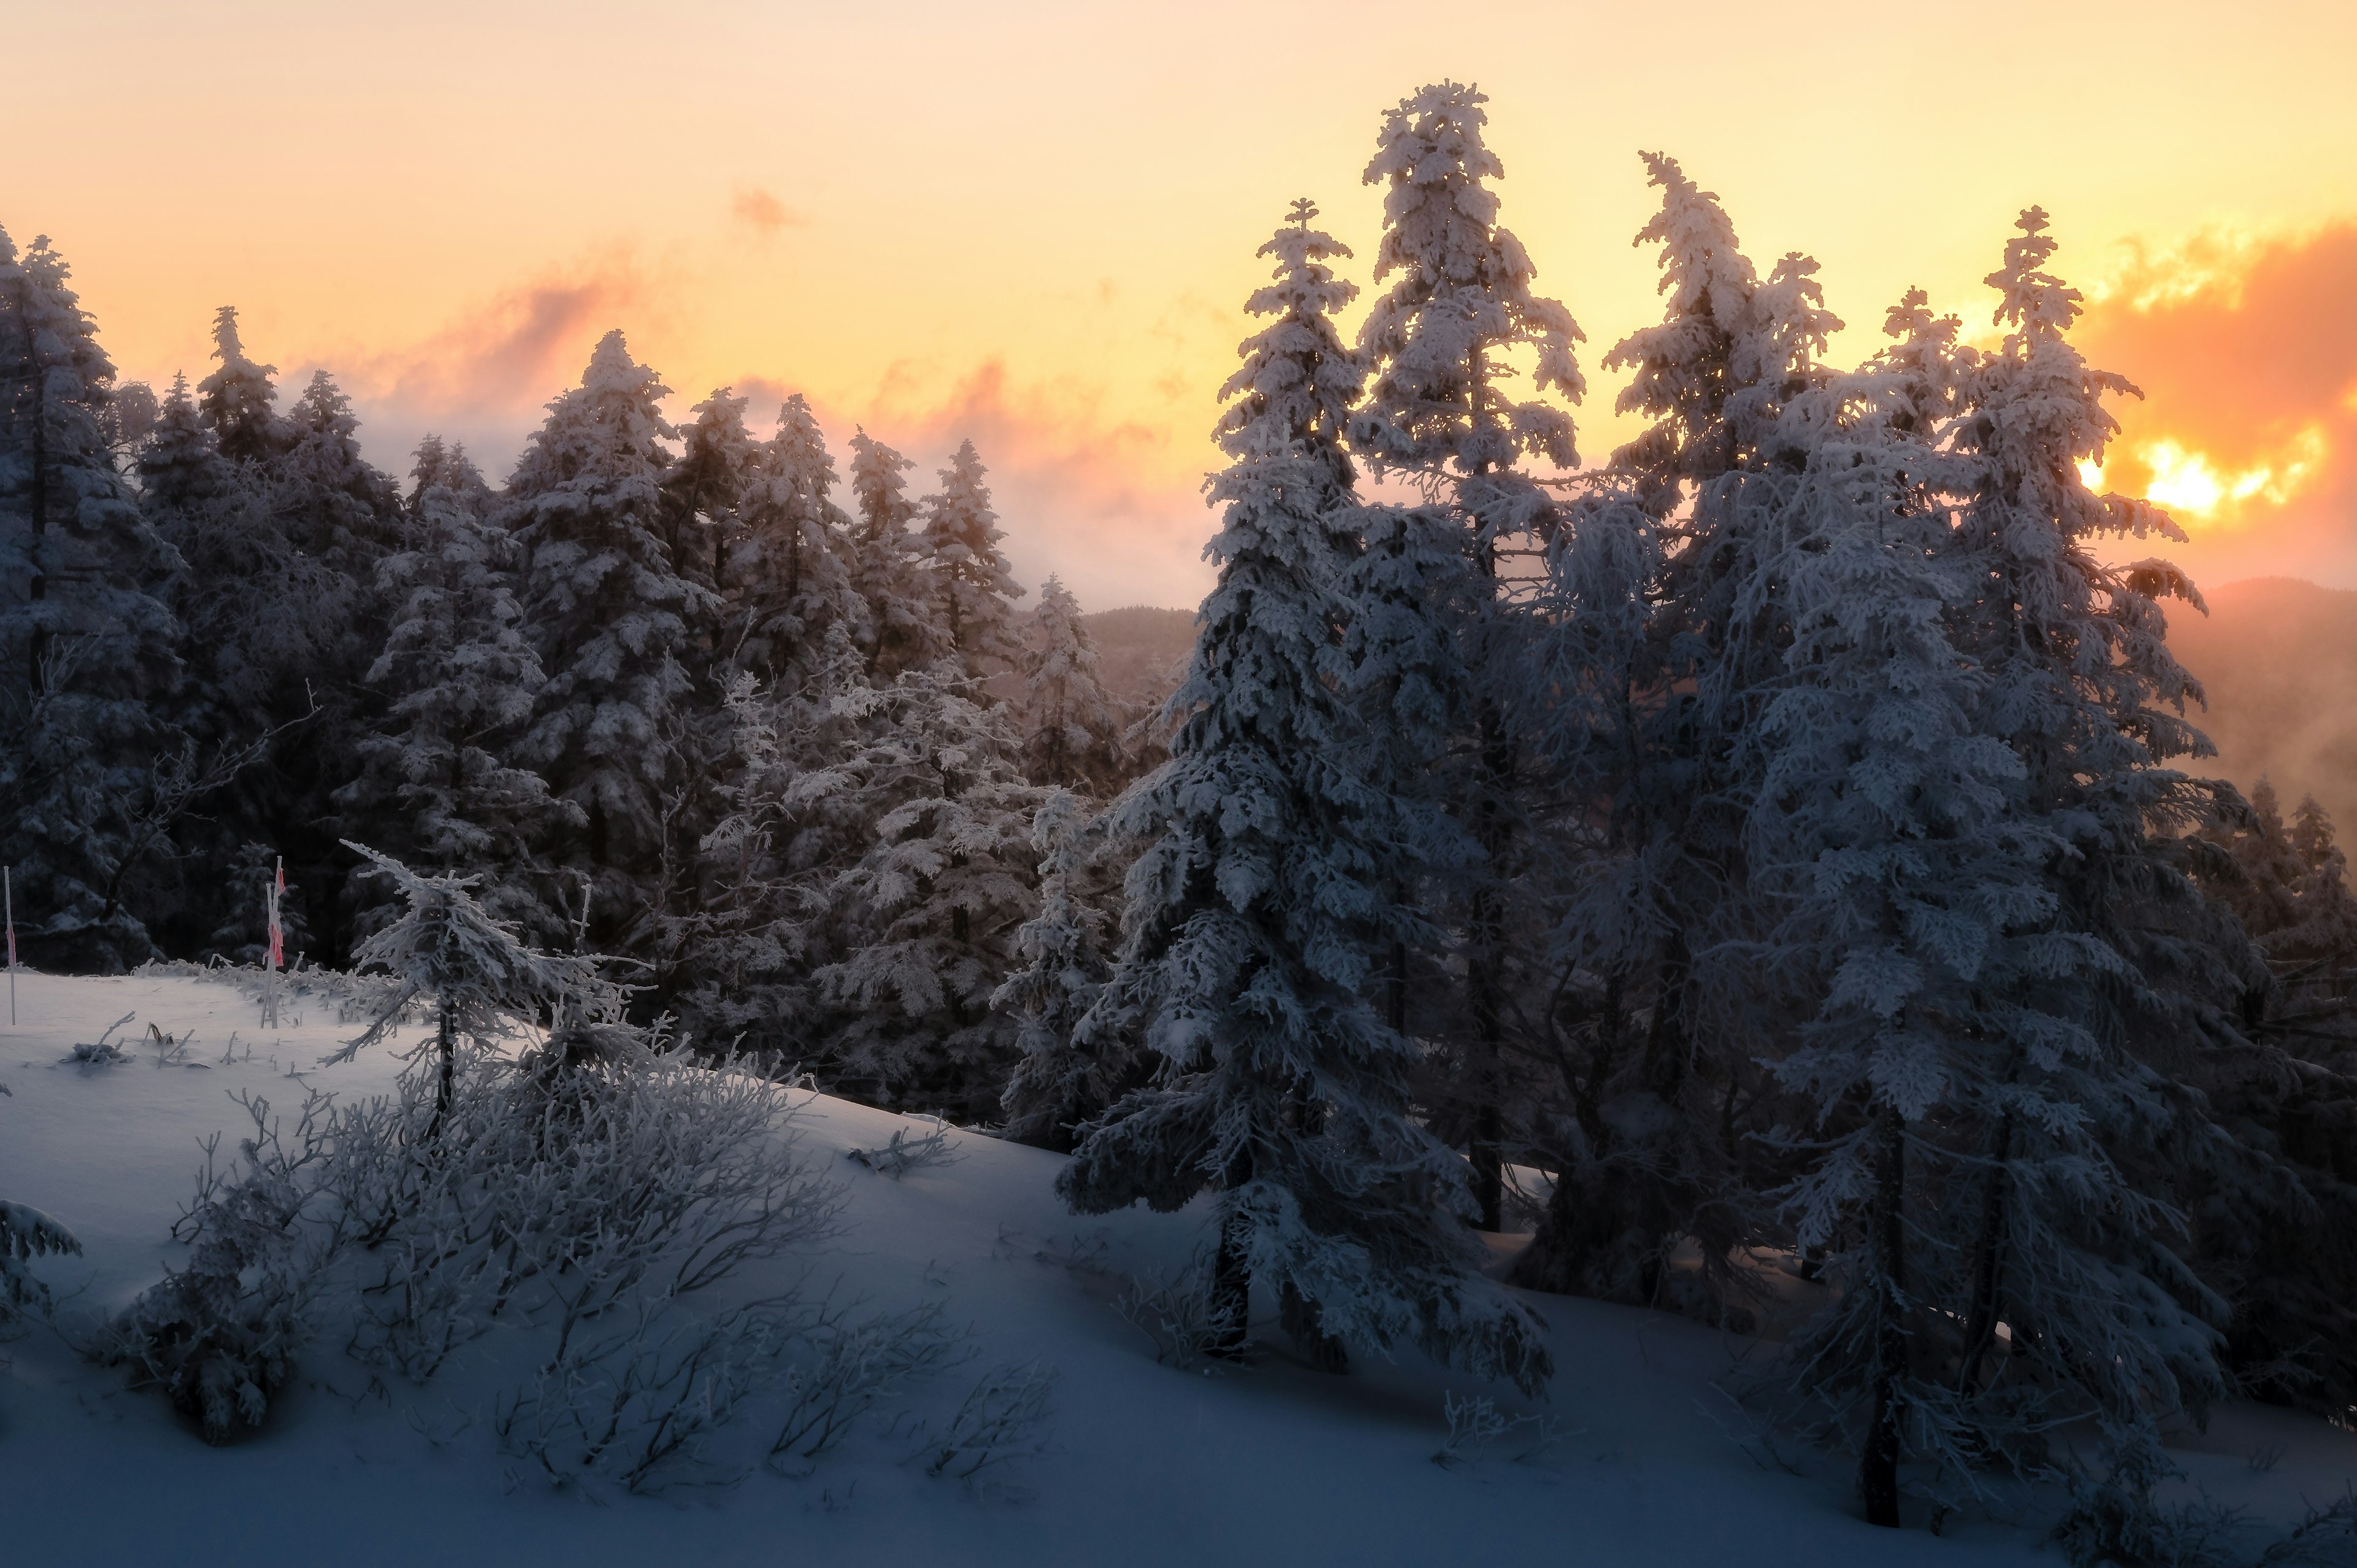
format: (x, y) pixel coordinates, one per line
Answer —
(762, 211)
(2246, 349)
(484, 377)
(1111, 504)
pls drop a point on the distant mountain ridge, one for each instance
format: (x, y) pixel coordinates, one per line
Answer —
(1137, 645)
(2278, 658)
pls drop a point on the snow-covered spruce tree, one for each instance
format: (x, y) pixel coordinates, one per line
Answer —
(1915, 904)
(1072, 1068)
(705, 488)
(1259, 901)
(884, 563)
(2285, 1252)
(1408, 595)
(973, 593)
(179, 464)
(1440, 348)
(1732, 351)
(787, 583)
(482, 981)
(86, 652)
(611, 615)
(925, 920)
(458, 678)
(784, 829)
(2053, 1145)
(1072, 726)
(239, 400)
(1646, 675)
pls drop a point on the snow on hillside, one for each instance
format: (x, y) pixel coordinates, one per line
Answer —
(1144, 1464)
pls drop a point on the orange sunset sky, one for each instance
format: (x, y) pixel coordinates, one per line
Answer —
(1034, 223)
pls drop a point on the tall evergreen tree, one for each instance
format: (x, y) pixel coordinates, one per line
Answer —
(884, 563)
(1256, 906)
(788, 580)
(705, 488)
(973, 591)
(925, 920)
(86, 656)
(1072, 725)
(1067, 1075)
(1656, 651)
(239, 401)
(1441, 411)
(609, 612)
(459, 678)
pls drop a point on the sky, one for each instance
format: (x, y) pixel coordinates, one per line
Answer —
(1035, 224)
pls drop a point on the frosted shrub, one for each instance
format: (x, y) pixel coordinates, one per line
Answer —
(1180, 1313)
(220, 1337)
(905, 1153)
(1003, 1420)
(851, 1368)
(26, 1233)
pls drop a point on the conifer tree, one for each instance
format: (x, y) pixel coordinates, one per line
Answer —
(1257, 904)
(1650, 670)
(237, 401)
(927, 916)
(705, 488)
(1072, 726)
(460, 679)
(1067, 1075)
(884, 565)
(86, 657)
(609, 614)
(788, 580)
(973, 593)
(1440, 410)
(179, 464)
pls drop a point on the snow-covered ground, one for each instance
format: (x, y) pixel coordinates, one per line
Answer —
(1145, 1464)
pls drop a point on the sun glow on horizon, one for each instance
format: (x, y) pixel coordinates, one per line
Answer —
(2194, 485)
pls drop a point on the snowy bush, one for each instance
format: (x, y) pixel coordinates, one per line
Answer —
(904, 1154)
(1180, 1313)
(220, 1337)
(102, 1052)
(848, 1369)
(26, 1233)
(1475, 1424)
(1003, 1420)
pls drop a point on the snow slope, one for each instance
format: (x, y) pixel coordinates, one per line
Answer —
(1147, 1464)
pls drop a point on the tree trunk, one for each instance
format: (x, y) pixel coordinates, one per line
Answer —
(1877, 1473)
(446, 1049)
(1980, 1327)
(1231, 1268)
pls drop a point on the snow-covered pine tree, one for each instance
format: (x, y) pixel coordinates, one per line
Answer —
(2050, 1149)
(1068, 1073)
(86, 655)
(925, 920)
(1072, 726)
(239, 400)
(458, 678)
(703, 490)
(973, 593)
(1646, 677)
(609, 612)
(784, 829)
(481, 978)
(884, 563)
(787, 583)
(179, 464)
(1730, 352)
(1408, 595)
(1440, 346)
(1259, 901)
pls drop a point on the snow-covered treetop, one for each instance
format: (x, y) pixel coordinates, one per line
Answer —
(1295, 386)
(1436, 341)
(446, 946)
(64, 339)
(608, 427)
(885, 510)
(1731, 353)
(236, 400)
(969, 573)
